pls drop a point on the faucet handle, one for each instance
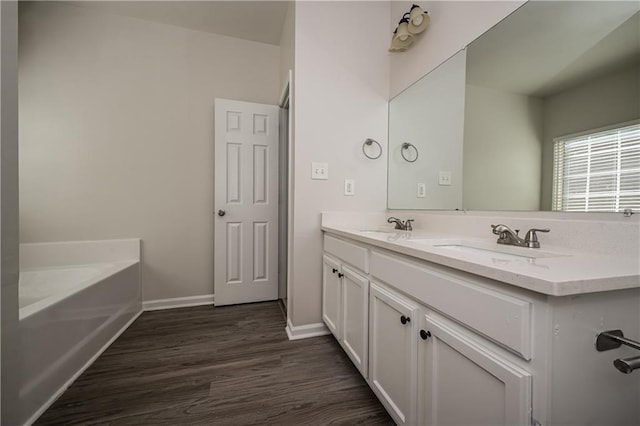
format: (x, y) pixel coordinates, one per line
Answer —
(532, 238)
(398, 222)
(407, 225)
(499, 229)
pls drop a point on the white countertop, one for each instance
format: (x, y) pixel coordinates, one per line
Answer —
(549, 270)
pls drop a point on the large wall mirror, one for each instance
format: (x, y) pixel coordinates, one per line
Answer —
(480, 131)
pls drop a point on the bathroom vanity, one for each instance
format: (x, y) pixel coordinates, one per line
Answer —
(455, 330)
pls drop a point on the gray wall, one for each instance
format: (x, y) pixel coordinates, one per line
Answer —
(117, 134)
(502, 150)
(341, 89)
(9, 212)
(431, 116)
(287, 45)
(607, 100)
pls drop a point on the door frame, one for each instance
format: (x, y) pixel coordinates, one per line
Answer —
(286, 98)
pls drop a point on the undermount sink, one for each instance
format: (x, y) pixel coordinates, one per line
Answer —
(488, 250)
(483, 252)
(377, 231)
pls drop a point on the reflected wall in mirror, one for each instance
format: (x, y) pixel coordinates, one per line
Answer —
(431, 117)
(549, 70)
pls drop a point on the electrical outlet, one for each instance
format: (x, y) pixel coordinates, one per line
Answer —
(320, 171)
(349, 187)
(444, 178)
(422, 190)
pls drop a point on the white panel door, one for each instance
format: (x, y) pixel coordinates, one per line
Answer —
(462, 383)
(355, 318)
(246, 202)
(392, 352)
(331, 295)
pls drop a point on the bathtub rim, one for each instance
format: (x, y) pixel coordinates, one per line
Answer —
(107, 269)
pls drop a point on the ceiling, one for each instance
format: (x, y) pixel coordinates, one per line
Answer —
(545, 47)
(260, 21)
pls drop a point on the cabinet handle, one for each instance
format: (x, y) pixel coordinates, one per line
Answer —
(340, 275)
(404, 319)
(425, 334)
(334, 270)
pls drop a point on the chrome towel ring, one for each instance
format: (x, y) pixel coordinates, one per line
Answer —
(370, 142)
(406, 146)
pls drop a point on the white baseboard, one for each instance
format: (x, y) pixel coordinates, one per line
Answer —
(73, 378)
(177, 302)
(306, 331)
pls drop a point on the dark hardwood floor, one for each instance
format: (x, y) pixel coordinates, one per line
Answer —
(224, 366)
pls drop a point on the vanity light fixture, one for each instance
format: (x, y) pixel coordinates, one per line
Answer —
(418, 20)
(413, 22)
(402, 38)
(402, 32)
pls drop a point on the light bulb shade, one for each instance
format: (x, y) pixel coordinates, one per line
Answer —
(393, 49)
(418, 20)
(402, 35)
(398, 46)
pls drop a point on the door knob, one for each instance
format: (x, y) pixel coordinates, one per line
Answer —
(404, 319)
(221, 212)
(334, 270)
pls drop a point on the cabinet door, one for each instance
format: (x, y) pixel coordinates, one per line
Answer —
(355, 318)
(392, 356)
(331, 295)
(461, 382)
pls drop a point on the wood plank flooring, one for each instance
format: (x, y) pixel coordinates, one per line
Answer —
(223, 366)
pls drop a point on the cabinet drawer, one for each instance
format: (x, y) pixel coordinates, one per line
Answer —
(500, 317)
(347, 252)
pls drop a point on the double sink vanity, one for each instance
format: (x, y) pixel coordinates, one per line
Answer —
(460, 321)
(449, 329)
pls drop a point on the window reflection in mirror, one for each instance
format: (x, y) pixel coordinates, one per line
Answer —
(549, 70)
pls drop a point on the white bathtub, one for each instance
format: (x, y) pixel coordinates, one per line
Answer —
(69, 314)
(42, 287)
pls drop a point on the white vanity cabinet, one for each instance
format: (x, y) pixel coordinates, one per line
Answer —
(331, 295)
(345, 300)
(355, 318)
(439, 345)
(344, 309)
(377, 316)
(392, 349)
(461, 382)
(462, 377)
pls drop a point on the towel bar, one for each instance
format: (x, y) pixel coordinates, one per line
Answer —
(613, 339)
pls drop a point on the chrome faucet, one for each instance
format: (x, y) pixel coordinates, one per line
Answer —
(507, 236)
(403, 226)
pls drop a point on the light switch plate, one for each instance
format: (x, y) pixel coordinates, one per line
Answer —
(422, 190)
(444, 178)
(349, 187)
(320, 171)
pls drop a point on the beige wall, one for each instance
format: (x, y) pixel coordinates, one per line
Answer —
(287, 45)
(341, 89)
(116, 134)
(607, 100)
(502, 150)
(9, 265)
